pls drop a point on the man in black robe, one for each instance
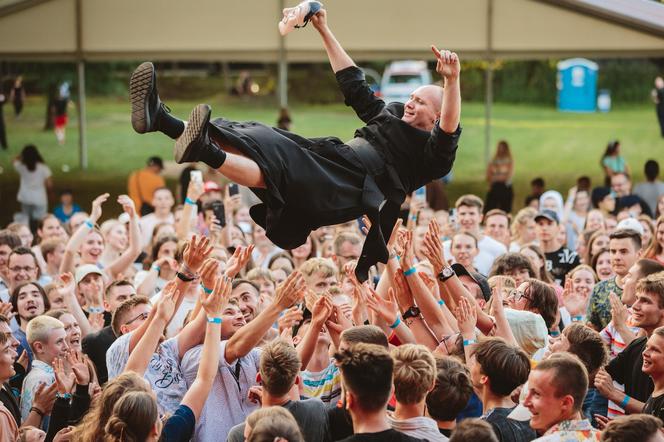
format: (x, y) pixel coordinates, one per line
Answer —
(306, 183)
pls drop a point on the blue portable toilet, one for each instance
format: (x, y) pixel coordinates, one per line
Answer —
(577, 85)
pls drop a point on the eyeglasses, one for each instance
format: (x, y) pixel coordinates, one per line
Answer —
(517, 295)
(142, 317)
(26, 269)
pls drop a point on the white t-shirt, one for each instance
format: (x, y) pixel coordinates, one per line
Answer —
(163, 372)
(147, 224)
(489, 250)
(178, 318)
(32, 189)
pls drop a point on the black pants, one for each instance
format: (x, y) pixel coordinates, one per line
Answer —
(500, 196)
(3, 133)
(660, 118)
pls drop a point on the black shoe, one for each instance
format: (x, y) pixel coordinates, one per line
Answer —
(194, 144)
(145, 103)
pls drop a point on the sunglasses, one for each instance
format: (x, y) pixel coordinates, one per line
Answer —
(517, 295)
(142, 316)
(447, 338)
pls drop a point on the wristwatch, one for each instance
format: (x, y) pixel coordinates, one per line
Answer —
(412, 312)
(184, 278)
(446, 274)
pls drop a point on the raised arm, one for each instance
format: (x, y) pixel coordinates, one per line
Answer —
(190, 210)
(213, 304)
(66, 287)
(128, 256)
(449, 67)
(288, 293)
(338, 57)
(321, 311)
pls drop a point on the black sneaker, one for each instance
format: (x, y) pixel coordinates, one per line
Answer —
(145, 103)
(194, 139)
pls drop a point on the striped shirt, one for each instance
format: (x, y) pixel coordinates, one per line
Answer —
(324, 385)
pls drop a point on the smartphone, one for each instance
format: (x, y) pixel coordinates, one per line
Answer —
(196, 176)
(219, 212)
(233, 189)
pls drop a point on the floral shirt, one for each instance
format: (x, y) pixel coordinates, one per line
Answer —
(571, 431)
(599, 308)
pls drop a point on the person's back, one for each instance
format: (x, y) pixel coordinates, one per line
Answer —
(650, 190)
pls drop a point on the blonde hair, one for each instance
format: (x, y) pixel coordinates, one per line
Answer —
(414, 372)
(324, 266)
(522, 218)
(507, 282)
(41, 327)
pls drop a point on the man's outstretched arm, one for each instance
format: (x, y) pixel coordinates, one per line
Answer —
(449, 67)
(338, 57)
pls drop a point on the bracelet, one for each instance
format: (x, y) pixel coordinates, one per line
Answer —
(66, 396)
(184, 278)
(410, 271)
(95, 309)
(206, 290)
(441, 302)
(554, 333)
(38, 411)
(189, 201)
(214, 320)
(578, 318)
(156, 267)
(467, 342)
(413, 217)
(89, 224)
(625, 401)
(396, 323)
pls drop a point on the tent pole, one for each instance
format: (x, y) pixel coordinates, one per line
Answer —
(80, 69)
(283, 67)
(488, 82)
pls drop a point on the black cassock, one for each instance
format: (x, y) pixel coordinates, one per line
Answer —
(313, 182)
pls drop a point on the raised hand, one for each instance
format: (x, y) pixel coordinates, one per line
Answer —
(619, 312)
(79, 367)
(96, 321)
(66, 284)
(240, 258)
(290, 291)
(575, 302)
(215, 302)
(387, 309)
(195, 190)
(466, 316)
(433, 249)
(395, 233)
(319, 20)
(127, 205)
(604, 383)
(322, 310)
(290, 319)
(447, 63)
(402, 291)
(23, 359)
(64, 381)
(166, 304)
(407, 258)
(45, 397)
(95, 213)
(196, 252)
(209, 273)
(6, 310)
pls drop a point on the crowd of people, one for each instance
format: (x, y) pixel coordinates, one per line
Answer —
(187, 323)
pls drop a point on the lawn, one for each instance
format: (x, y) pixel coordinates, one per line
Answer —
(556, 146)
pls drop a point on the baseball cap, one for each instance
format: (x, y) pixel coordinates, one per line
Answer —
(211, 186)
(477, 277)
(548, 214)
(85, 270)
(631, 224)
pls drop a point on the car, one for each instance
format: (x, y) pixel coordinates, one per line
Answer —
(401, 78)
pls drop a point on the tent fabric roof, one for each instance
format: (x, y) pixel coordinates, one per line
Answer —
(246, 30)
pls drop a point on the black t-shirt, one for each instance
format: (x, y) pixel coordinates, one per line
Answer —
(655, 406)
(447, 432)
(509, 430)
(560, 262)
(383, 436)
(95, 346)
(626, 369)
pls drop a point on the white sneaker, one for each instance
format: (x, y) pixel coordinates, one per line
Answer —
(299, 16)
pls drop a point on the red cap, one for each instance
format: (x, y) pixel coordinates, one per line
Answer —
(211, 186)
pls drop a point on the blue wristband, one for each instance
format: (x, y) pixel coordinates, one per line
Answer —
(467, 342)
(441, 302)
(214, 320)
(578, 318)
(554, 333)
(156, 267)
(66, 396)
(206, 290)
(410, 271)
(189, 201)
(89, 224)
(396, 323)
(625, 401)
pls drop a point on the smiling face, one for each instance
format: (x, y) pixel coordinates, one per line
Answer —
(646, 311)
(464, 249)
(623, 255)
(247, 298)
(55, 347)
(21, 268)
(497, 227)
(117, 237)
(52, 228)
(7, 356)
(546, 408)
(653, 357)
(423, 108)
(232, 320)
(30, 303)
(72, 330)
(469, 218)
(92, 248)
(518, 298)
(583, 281)
(603, 266)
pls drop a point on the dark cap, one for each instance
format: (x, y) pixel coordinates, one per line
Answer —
(477, 277)
(548, 214)
(598, 194)
(156, 161)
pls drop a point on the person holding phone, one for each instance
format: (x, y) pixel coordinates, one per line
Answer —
(308, 183)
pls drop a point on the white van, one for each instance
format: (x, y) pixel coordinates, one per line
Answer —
(401, 78)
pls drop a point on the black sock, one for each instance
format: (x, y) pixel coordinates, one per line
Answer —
(168, 124)
(212, 155)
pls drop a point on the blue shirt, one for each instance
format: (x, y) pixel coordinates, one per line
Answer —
(60, 214)
(180, 426)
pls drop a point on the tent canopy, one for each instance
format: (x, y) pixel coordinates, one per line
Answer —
(246, 30)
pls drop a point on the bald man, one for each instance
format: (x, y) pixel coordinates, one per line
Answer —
(306, 183)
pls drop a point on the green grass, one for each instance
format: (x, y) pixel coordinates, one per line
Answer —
(557, 146)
